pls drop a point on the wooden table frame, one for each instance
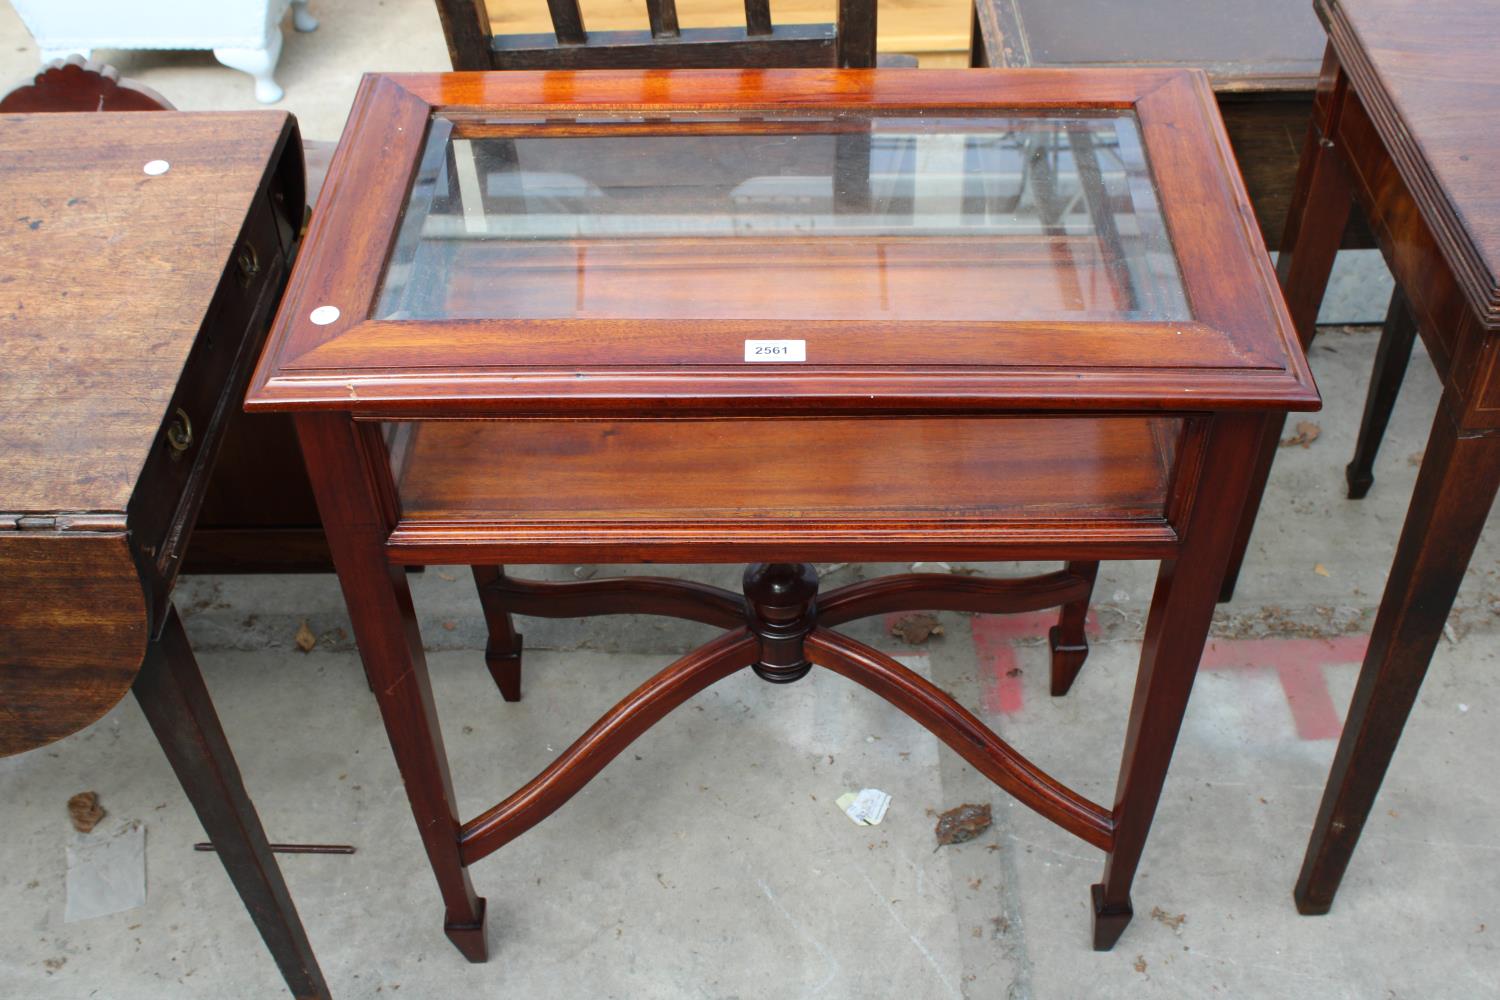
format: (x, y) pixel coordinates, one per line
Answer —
(1358, 151)
(346, 380)
(141, 304)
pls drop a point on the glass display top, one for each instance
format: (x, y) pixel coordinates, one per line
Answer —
(988, 217)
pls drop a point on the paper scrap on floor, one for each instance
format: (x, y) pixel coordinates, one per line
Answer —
(867, 808)
(106, 871)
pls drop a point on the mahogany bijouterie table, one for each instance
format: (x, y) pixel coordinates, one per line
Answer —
(775, 317)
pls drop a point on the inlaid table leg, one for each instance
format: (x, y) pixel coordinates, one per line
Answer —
(1391, 358)
(1315, 222)
(502, 652)
(171, 693)
(1176, 631)
(351, 479)
(1456, 485)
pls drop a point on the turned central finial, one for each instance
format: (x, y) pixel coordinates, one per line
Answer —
(781, 608)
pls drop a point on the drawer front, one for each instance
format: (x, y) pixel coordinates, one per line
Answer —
(211, 389)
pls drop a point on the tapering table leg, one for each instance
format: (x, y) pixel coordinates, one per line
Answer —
(1176, 631)
(1068, 640)
(1391, 358)
(1315, 221)
(171, 693)
(502, 652)
(1455, 488)
(350, 474)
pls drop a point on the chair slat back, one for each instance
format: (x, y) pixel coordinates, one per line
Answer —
(567, 22)
(757, 17)
(849, 42)
(856, 34)
(663, 17)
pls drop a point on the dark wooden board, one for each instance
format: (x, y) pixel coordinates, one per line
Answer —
(1426, 75)
(97, 318)
(73, 630)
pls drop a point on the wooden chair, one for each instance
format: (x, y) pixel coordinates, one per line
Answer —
(849, 43)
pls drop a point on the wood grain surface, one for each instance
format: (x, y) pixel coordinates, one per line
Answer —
(1426, 74)
(1237, 350)
(880, 278)
(741, 489)
(666, 471)
(73, 630)
(96, 318)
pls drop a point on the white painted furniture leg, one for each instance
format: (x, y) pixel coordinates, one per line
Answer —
(259, 63)
(302, 18)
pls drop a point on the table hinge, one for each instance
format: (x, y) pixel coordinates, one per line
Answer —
(62, 522)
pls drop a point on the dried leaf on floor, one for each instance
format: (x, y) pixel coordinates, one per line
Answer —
(1307, 433)
(916, 629)
(85, 812)
(1321, 570)
(305, 638)
(962, 824)
(1174, 921)
(1140, 964)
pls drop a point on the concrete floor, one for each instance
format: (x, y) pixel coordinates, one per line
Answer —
(711, 861)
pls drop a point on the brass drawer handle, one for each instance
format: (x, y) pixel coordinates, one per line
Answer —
(247, 261)
(179, 433)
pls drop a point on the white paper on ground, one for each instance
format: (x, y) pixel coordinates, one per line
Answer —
(867, 808)
(106, 872)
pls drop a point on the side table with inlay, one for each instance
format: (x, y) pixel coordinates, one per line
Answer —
(141, 258)
(1406, 122)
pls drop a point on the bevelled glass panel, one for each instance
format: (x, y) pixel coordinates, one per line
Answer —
(912, 216)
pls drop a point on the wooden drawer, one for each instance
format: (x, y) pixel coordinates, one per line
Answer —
(210, 390)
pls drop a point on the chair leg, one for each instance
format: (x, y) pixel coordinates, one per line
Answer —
(302, 18)
(502, 653)
(1391, 357)
(170, 691)
(260, 63)
(1070, 646)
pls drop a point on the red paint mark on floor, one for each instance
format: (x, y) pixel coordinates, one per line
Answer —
(995, 638)
(1299, 666)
